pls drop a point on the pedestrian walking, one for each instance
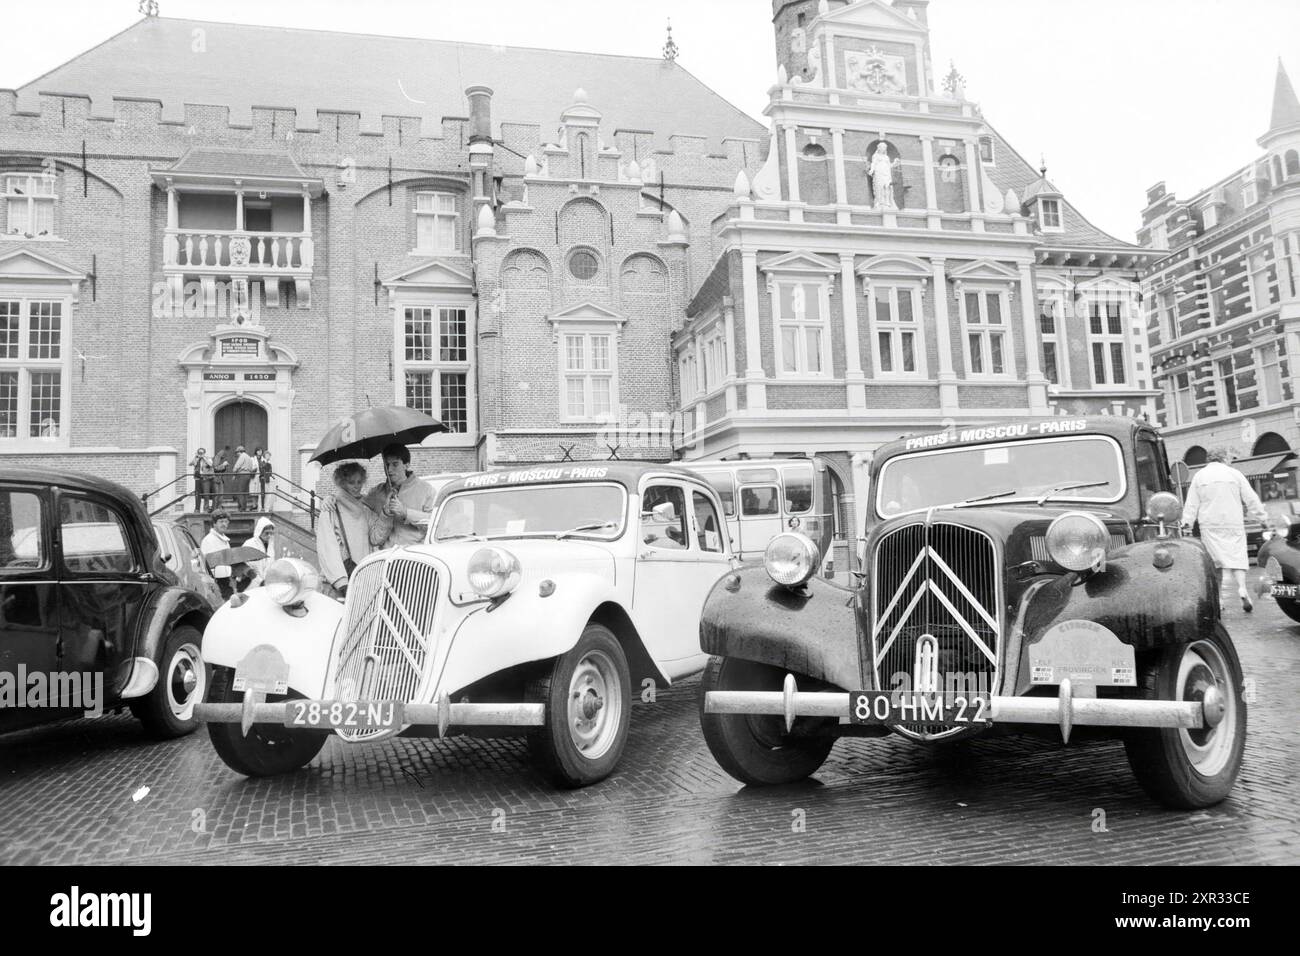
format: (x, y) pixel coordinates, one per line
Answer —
(265, 474)
(1218, 498)
(202, 466)
(244, 470)
(345, 530)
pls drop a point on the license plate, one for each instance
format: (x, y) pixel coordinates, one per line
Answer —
(1285, 590)
(344, 714)
(914, 707)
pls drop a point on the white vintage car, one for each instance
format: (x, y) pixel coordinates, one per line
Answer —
(541, 601)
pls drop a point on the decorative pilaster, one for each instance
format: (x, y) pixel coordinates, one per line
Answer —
(792, 173)
(931, 193)
(855, 381)
(973, 201)
(943, 331)
(755, 384)
(842, 216)
(729, 330)
(1034, 377)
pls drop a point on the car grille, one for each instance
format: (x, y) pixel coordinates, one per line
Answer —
(1038, 547)
(938, 581)
(388, 640)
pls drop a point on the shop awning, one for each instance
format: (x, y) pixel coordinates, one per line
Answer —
(1267, 466)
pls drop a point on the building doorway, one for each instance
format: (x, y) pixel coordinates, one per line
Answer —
(238, 423)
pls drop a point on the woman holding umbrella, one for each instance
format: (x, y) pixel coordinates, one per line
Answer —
(346, 526)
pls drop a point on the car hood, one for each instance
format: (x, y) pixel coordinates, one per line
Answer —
(539, 558)
(1015, 527)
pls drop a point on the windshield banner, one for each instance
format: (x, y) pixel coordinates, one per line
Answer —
(1050, 426)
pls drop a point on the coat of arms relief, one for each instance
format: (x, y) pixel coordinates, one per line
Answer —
(874, 71)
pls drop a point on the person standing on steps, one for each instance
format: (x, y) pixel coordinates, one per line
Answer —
(245, 468)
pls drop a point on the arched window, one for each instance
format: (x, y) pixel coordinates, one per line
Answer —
(525, 269)
(644, 274)
(1194, 456)
(1292, 163)
(1270, 443)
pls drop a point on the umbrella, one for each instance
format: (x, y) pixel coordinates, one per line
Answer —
(228, 556)
(365, 434)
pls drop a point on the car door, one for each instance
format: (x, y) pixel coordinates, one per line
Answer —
(103, 584)
(29, 606)
(674, 573)
(760, 516)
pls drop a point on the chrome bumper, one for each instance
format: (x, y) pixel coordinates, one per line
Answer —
(1066, 710)
(443, 714)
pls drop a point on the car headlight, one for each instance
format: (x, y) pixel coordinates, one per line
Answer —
(791, 559)
(289, 580)
(493, 572)
(1077, 540)
(1164, 508)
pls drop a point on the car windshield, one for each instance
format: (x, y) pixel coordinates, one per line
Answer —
(1001, 473)
(576, 510)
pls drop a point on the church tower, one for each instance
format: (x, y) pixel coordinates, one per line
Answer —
(790, 21)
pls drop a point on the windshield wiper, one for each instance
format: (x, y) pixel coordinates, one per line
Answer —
(460, 537)
(586, 527)
(1070, 486)
(979, 498)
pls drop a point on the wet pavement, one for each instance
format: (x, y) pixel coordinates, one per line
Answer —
(72, 793)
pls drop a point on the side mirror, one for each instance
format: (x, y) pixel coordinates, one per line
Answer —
(665, 511)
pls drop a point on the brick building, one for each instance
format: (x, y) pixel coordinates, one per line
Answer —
(559, 254)
(895, 264)
(1223, 307)
(198, 251)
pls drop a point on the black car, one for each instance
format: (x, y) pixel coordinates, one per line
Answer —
(91, 618)
(1023, 573)
(1280, 559)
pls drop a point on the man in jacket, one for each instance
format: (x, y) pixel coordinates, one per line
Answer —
(244, 470)
(216, 540)
(407, 501)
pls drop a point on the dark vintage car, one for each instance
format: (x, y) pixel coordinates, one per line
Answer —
(1280, 559)
(182, 555)
(91, 618)
(1020, 574)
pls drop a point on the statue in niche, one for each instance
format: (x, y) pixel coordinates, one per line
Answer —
(882, 170)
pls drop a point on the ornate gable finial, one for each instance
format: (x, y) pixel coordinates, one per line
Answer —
(1042, 165)
(149, 8)
(954, 84)
(670, 48)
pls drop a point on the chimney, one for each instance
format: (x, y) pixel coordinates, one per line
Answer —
(480, 145)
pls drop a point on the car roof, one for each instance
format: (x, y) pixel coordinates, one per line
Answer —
(1013, 429)
(626, 473)
(74, 480)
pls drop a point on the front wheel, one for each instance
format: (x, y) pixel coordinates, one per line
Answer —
(182, 679)
(1191, 769)
(755, 749)
(588, 698)
(269, 749)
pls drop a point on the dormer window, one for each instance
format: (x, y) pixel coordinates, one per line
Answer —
(1249, 191)
(987, 156)
(1049, 215)
(28, 204)
(1210, 216)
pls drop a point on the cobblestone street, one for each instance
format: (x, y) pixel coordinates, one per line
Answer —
(66, 796)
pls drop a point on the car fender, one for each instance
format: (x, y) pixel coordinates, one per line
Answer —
(304, 642)
(172, 606)
(1145, 606)
(812, 631)
(524, 628)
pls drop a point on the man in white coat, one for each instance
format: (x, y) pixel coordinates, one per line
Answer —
(1218, 498)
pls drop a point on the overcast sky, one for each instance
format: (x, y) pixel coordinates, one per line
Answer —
(1116, 94)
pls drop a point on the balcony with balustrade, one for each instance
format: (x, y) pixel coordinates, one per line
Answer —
(238, 217)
